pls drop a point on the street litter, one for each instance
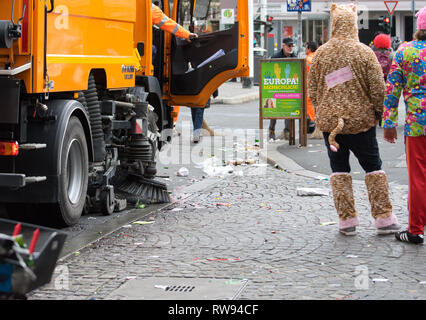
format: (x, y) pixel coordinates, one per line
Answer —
(127, 226)
(327, 223)
(139, 205)
(223, 204)
(380, 280)
(214, 168)
(143, 222)
(182, 172)
(161, 287)
(218, 171)
(238, 162)
(177, 209)
(312, 192)
(321, 178)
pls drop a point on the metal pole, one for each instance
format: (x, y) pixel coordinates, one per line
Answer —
(248, 82)
(299, 36)
(263, 9)
(413, 9)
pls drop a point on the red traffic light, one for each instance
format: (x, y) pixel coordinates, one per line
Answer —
(386, 20)
(269, 19)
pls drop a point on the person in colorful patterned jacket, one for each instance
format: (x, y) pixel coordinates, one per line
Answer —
(408, 74)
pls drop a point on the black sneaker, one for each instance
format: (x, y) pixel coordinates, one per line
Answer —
(405, 236)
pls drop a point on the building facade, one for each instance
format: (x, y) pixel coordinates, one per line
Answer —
(316, 24)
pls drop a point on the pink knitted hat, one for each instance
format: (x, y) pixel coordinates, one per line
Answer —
(421, 19)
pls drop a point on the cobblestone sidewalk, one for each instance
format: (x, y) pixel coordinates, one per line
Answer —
(254, 227)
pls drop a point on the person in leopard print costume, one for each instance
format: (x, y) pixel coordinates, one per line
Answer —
(347, 89)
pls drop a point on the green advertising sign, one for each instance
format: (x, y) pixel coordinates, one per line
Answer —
(281, 88)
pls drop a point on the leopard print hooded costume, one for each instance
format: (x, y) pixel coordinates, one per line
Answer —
(347, 90)
(351, 106)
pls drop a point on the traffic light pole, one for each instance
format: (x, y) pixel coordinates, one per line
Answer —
(299, 34)
(263, 8)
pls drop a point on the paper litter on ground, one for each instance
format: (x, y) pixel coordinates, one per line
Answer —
(327, 223)
(312, 192)
(380, 280)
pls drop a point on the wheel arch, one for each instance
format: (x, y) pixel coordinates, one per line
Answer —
(46, 162)
(63, 110)
(85, 122)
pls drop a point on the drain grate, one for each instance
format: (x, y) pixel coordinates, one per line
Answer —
(179, 289)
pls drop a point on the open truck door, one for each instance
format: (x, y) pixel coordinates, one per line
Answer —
(221, 51)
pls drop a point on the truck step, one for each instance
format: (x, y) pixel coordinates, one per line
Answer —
(32, 146)
(34, 179)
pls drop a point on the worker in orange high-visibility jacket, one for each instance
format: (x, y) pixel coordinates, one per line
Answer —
(165, 23)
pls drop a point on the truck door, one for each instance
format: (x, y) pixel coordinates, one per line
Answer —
(197, 68)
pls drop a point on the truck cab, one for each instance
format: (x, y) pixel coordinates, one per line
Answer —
(87, 89)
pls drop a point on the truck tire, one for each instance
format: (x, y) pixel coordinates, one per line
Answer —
(73, 179)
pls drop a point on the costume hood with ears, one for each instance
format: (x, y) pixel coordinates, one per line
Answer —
(344, 21)
(344, 25)
(345, 80)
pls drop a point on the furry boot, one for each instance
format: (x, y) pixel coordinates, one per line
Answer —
(341, 185)
(378, 194)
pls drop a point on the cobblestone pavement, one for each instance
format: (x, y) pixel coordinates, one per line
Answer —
(266, 234)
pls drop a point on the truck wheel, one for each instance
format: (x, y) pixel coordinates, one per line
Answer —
(73, 179)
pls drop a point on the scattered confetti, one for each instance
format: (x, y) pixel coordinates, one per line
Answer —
(327, 223)
(143, 222)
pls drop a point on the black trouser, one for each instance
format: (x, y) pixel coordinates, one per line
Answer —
(273, 122)
(363, 145)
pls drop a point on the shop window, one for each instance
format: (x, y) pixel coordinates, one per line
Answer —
(311, 30)
(318, 31)
(209, 16)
